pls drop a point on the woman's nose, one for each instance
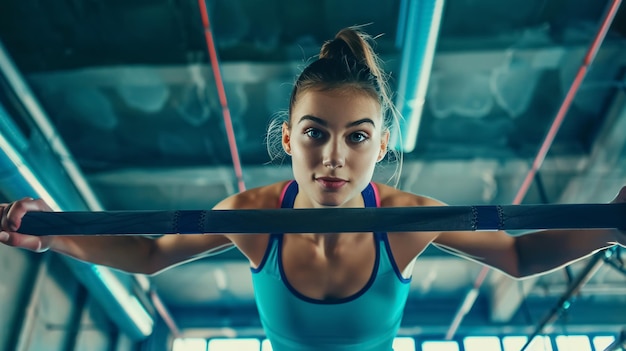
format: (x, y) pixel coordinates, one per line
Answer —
(334, 155)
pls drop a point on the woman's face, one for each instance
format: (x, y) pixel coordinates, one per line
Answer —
(335, 139)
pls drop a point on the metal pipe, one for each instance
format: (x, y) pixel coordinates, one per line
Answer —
(549, 139)
(219, 83)
(566, 299)
(165, 314)
(468, 302)
(619, 343)
(30, 318)
(617, 267)
(73, 325)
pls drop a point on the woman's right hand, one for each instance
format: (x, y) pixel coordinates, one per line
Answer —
(621, 198)
(11, 219)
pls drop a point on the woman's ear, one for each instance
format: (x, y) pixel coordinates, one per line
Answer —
(384, 142)
(286, 138)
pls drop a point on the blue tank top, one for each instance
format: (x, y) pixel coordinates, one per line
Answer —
(366, 321)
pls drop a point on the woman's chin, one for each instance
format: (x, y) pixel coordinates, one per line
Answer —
(329, 204)
(331, 201)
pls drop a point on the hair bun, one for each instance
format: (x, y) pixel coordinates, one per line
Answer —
(337, 49)
(349, 43)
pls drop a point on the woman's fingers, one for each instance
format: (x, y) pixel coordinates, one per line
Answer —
(620, 198)
(13, 213)
(4, 209)
(28, 242)
(11, 219)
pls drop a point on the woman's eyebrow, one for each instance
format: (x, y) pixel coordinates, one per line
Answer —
(361, 121)
(323, 122)
(313, 119)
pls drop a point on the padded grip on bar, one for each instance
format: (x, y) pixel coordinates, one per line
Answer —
(188, 222)
(488, 217)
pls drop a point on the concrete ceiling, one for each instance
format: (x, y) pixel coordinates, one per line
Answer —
(128, 88)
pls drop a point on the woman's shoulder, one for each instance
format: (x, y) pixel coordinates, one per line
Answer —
(268, 196)
(393, 197)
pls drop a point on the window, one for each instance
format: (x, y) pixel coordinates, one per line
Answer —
(234, 345)
(440, 346)
(515, 343)
(403, 344)
(573, 342)
(471, 343)
(600, 343)
(266, 346)
(399, 344)
(189, 345)
(482, 343)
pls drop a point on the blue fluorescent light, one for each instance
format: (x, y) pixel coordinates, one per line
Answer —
(129, 302)
(420, 30)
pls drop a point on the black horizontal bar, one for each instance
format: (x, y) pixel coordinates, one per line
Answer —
(388, 219)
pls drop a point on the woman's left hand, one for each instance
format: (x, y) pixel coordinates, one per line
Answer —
(621, 198)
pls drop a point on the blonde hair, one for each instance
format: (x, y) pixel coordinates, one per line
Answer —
(346, 62)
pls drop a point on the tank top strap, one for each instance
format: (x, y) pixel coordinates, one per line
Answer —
(387, 262)
(269, 263)
(288, 195)
(371, 199)
(370, 196)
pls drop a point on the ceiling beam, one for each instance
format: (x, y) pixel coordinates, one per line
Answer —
(546, 58)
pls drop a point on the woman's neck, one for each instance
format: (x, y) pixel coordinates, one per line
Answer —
(302, 201)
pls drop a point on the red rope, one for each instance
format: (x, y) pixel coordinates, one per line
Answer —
(549, 139)
(219, 83)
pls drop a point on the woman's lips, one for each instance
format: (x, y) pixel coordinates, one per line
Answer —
(331, 183)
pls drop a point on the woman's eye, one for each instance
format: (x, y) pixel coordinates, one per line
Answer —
(313, 133)
(358, 137)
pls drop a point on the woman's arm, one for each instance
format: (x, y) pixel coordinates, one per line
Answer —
(533, 253)
(135, 254)
(129, 253)
(529, 254)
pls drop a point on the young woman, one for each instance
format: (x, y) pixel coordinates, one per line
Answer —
(330, 291)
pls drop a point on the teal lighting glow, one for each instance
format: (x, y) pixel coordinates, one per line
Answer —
(418, 30)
